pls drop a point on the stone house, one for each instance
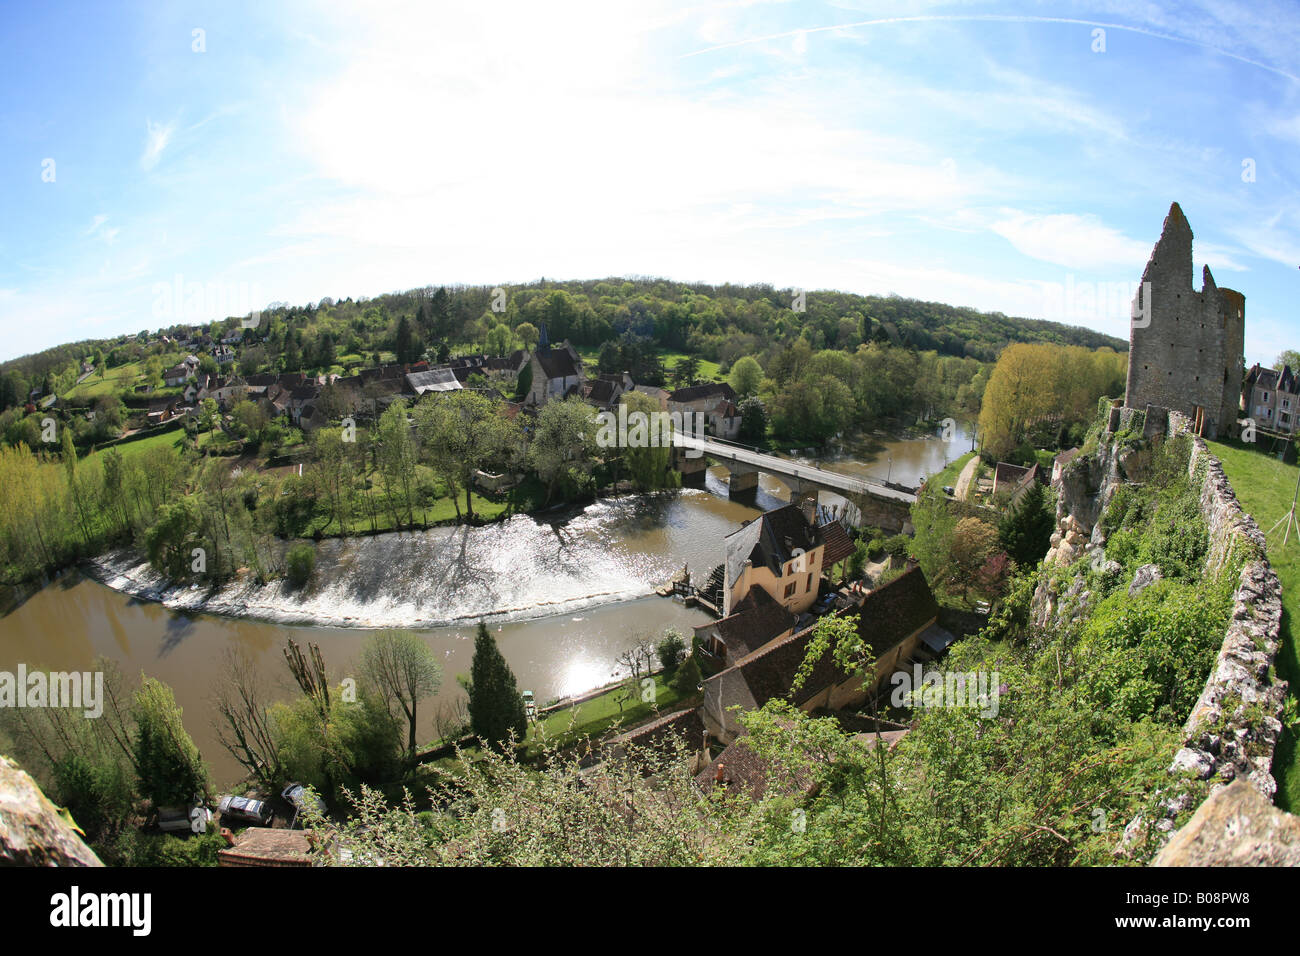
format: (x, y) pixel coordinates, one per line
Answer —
(756, 621)
(893, 621)
(177, 375)
(1272, 399)
(716, 401)
(556, 373)
(780, 552)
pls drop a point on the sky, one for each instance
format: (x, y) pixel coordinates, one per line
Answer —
(1011, 157)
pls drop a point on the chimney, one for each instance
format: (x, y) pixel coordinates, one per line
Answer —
(227, 836)
(720, 775)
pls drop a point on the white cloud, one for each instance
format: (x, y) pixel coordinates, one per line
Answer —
(1066, 239)
(158, 136)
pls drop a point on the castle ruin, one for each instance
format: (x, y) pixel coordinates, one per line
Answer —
(1186, 348)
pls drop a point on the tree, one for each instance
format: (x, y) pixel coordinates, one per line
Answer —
(686, 369)
(496, 708)
(167, 762)
(1026, 529)
(172, 537)
(563, 449)
(528, 334)
(244, 726)
(251, 419)
(1288, 358)
(403, 671)
(300, 564)
(746, 376)
(396, 455)
(932, 544)
(499, 340)
(671, 649)
(649, 466)
(462, 433)
(973, 542)
(753, 421)
(405, 344)
(688, 677)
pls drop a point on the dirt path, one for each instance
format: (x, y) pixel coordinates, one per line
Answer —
(966, 477)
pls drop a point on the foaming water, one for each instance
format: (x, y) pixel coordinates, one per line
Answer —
(613, 550)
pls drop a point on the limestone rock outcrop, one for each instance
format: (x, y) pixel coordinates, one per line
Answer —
(1235, 827)
(32, 831)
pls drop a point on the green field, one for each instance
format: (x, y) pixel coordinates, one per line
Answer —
(1265, 488)
(115, 380)
(708, 370)
(596, 716)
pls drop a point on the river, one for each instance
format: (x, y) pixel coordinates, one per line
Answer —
(563, 594)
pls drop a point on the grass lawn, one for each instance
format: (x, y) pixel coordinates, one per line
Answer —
(1265, 486)
(115, 380)
(948, 476)
(708, 370)
(594, 717)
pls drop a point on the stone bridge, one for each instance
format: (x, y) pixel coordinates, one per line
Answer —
(882, 504)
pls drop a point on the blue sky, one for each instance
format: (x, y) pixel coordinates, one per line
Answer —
(983, 154)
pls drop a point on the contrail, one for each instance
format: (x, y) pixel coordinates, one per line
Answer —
(998, 18)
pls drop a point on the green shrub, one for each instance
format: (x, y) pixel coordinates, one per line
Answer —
(300, 564)
(671, 649)
(688, 677)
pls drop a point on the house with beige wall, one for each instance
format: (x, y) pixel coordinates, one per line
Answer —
(780, 552)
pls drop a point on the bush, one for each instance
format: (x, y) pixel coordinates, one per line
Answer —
(671, 649)
(300, 564)
(688, 677)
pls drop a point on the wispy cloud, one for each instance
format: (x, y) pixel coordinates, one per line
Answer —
(100, 229)
(1067, 239)
(158, 137)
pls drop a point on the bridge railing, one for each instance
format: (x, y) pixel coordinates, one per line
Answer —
(795, 466)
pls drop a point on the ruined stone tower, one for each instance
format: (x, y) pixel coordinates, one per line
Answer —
(1186, 348)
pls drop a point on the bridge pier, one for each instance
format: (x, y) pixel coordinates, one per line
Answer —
(743, 482)
(693, 470)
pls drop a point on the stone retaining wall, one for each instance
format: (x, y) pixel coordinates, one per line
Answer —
(1232, 732)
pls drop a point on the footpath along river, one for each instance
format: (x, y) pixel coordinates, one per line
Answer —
(563, 594)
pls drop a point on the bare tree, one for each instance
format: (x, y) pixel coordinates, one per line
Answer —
(244, 726)
(402, 669)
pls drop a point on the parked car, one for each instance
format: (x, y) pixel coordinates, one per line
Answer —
(299, 797)
(246, 810)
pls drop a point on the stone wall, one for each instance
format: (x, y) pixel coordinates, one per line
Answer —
(1232, 731)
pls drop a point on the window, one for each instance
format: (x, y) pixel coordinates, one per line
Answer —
(789, 589)
(808, 586)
